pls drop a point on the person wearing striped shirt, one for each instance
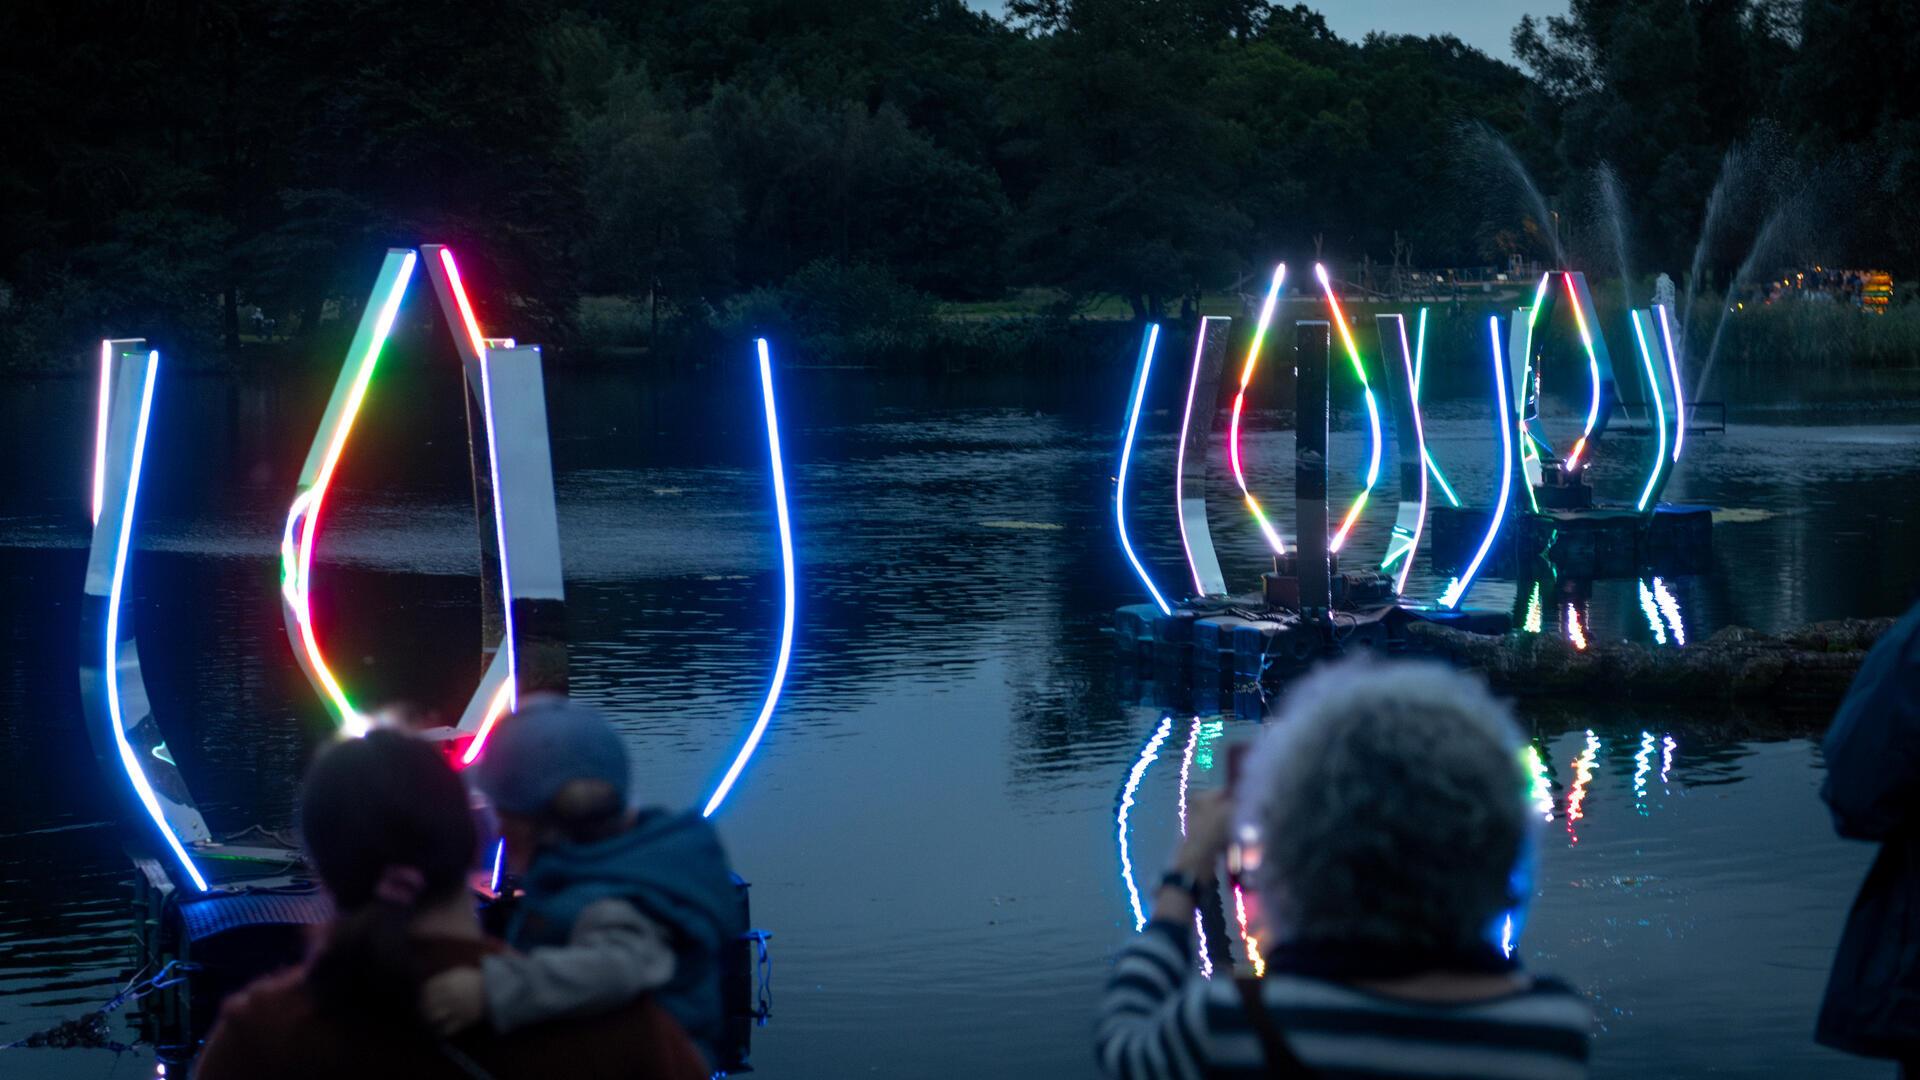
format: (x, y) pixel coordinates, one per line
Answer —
(1386, 838)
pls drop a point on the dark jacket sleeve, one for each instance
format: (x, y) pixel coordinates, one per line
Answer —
(1873, 747)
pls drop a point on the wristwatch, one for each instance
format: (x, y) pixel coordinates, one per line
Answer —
(1186, 883)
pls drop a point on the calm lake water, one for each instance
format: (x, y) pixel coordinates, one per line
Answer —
(931, 824)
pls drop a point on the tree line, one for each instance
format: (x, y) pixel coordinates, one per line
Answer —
(222, 172)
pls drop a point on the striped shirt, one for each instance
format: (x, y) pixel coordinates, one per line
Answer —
(1161, 1021)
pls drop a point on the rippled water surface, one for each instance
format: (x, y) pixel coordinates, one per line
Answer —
(931, 826)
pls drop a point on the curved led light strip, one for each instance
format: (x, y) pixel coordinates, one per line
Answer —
(1148, 754)
(507, 698)
(1673, 369)
(1593, 374)
(296, 555)
(1419, 370)
(100, 429)
(1458, 587)
(1240, 401)
(1373, 412)
(1420, 437)
(1141, 374)
(129, 760)
(1180, 469)
(1522, 387)
(787, 591)
(1660, 412)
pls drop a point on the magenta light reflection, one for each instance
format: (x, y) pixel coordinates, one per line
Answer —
(787, 588)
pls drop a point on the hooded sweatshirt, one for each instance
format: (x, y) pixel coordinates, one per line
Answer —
(670, 866)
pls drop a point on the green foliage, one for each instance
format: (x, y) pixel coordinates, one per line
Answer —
(230, 169)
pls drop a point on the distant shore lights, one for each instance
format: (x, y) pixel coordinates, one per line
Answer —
(785, 655)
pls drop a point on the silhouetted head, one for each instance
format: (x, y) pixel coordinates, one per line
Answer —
(1390, 804)
(386, 824)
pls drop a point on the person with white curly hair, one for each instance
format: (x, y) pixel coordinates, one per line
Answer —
(1388, 806)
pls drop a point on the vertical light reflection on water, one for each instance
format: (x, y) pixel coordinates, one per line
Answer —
(1670, 607)
(1652, 612)
(1582, 776)
(1533, 623)
(1666, 757)
(1576, 633)
(1186, 771)
(1642, 764)
(1148, 754)
(1542, 792)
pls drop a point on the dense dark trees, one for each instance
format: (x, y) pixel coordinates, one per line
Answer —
(213, 169)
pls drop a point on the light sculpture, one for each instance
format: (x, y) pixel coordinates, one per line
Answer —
(1373, 412)
(1457, 588)
(303, 517)
(1239, 404)
(120, 721)
(1189, 480)
(1654, 394)
(787, 579)
(1142, 372)
(1419, 371)
(1410, 441)
(522, 575)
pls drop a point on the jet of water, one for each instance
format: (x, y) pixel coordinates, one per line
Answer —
(1484, 142)
(1763, 243)
(1733, 170)
(1613, 209)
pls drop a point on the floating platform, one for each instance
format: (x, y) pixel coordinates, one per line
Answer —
(1240, 644)
(1590, 542)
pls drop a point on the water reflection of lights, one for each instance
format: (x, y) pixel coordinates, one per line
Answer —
(1576, 633)
(1506, 937)
(1582, 776)
(1642, 765)
(1652, 612)
(1147, 755)
(1542, 792)
(1186, 771)
(1666, 757)
(1533, 610)
(1254, 959)
(1670, 607)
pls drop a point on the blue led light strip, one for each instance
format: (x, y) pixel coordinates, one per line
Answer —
(1458, 587)
(128, 759)
(1660, 412)
(787, 597)
(1141, 374)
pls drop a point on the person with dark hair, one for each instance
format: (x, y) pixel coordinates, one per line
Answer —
(1386, 809)
(386, 825)
(618, 901)
(1872, 751)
